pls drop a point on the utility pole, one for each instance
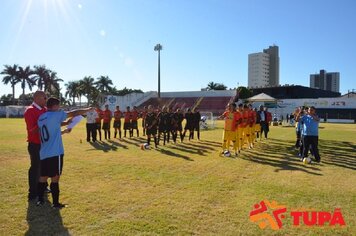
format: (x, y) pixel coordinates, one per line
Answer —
(158, 48)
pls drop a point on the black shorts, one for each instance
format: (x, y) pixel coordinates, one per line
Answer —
(98, 125)
(162, 128)
(127, 125)
(188, 127)
(117, 124)
(152, 131)
(134, 124)
(52, 166)
(106, 126)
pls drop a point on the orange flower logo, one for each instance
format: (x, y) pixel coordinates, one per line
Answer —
(268, 214)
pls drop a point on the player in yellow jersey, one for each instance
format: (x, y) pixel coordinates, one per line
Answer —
(238, 131)
(240, 128)
(229, 134)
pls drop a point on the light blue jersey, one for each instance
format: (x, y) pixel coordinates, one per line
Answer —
(310, 126)
(49, 124)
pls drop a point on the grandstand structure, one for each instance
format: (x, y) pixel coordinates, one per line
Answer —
(213, 101)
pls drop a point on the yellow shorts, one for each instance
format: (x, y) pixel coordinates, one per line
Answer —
(239, 132)
(229, 135)
(247, 130)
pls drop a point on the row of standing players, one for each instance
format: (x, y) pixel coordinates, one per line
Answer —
(163, 122)
(244, 125)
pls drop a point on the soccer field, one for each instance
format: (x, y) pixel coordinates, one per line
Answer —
(114, 187)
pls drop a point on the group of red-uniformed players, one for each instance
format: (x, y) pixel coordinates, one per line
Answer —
(155, 123)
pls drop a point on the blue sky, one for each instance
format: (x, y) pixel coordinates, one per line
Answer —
(203, 40)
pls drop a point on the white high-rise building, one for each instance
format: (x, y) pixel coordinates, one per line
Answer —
(258, 70)
(263, 68)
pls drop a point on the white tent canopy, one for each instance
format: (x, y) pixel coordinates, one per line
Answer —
(262, 97)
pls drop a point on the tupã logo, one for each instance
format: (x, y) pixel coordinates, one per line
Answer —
(268, 214)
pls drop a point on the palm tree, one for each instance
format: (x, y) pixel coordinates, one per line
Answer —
(52, 83)
(215, 86)
(73, 90)
(88, 89)
(211, 86)
(41, 74)
(103, 84)
(24, 74)
(11, 76)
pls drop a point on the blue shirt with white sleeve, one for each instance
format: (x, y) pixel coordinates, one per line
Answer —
(49, 124)
(310, 126)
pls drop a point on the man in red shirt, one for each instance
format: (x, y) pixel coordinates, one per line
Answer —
(31, 115)
(106, 122)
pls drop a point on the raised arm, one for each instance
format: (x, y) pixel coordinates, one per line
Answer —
(78, 112)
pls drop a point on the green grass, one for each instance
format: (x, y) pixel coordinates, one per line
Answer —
(115, 188)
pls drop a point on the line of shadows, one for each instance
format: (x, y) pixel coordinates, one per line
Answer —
(267, 153)
(173, 154)
(103, 146)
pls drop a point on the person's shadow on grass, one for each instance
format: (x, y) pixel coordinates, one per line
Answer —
(44, 220)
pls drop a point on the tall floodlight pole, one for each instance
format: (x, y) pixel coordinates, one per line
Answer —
(158, 48)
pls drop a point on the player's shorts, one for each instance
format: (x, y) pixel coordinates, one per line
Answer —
(127, 125)
(117, 124)
(238, 133)
(134, 124)
(229, 135)
(52, 166)
(179, 127)
(257, 127)
(152, 131)
(163, 128)
(106, 126)
(188, 127)
(98, 125)
(197, 126)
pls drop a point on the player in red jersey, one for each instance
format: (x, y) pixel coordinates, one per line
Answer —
(134, 118)
(98, 120)
(127, 121)
(117, 121)
(106, 121)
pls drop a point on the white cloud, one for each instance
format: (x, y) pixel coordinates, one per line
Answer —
(80, 6)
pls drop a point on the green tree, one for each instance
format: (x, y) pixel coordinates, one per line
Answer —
(244, 92)
(216, 86)
(52, 83)
(11, 77)
(88, 89)
(41, 74)
(73, 90)
(25, 75)
(124, 91)
(104, 84)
